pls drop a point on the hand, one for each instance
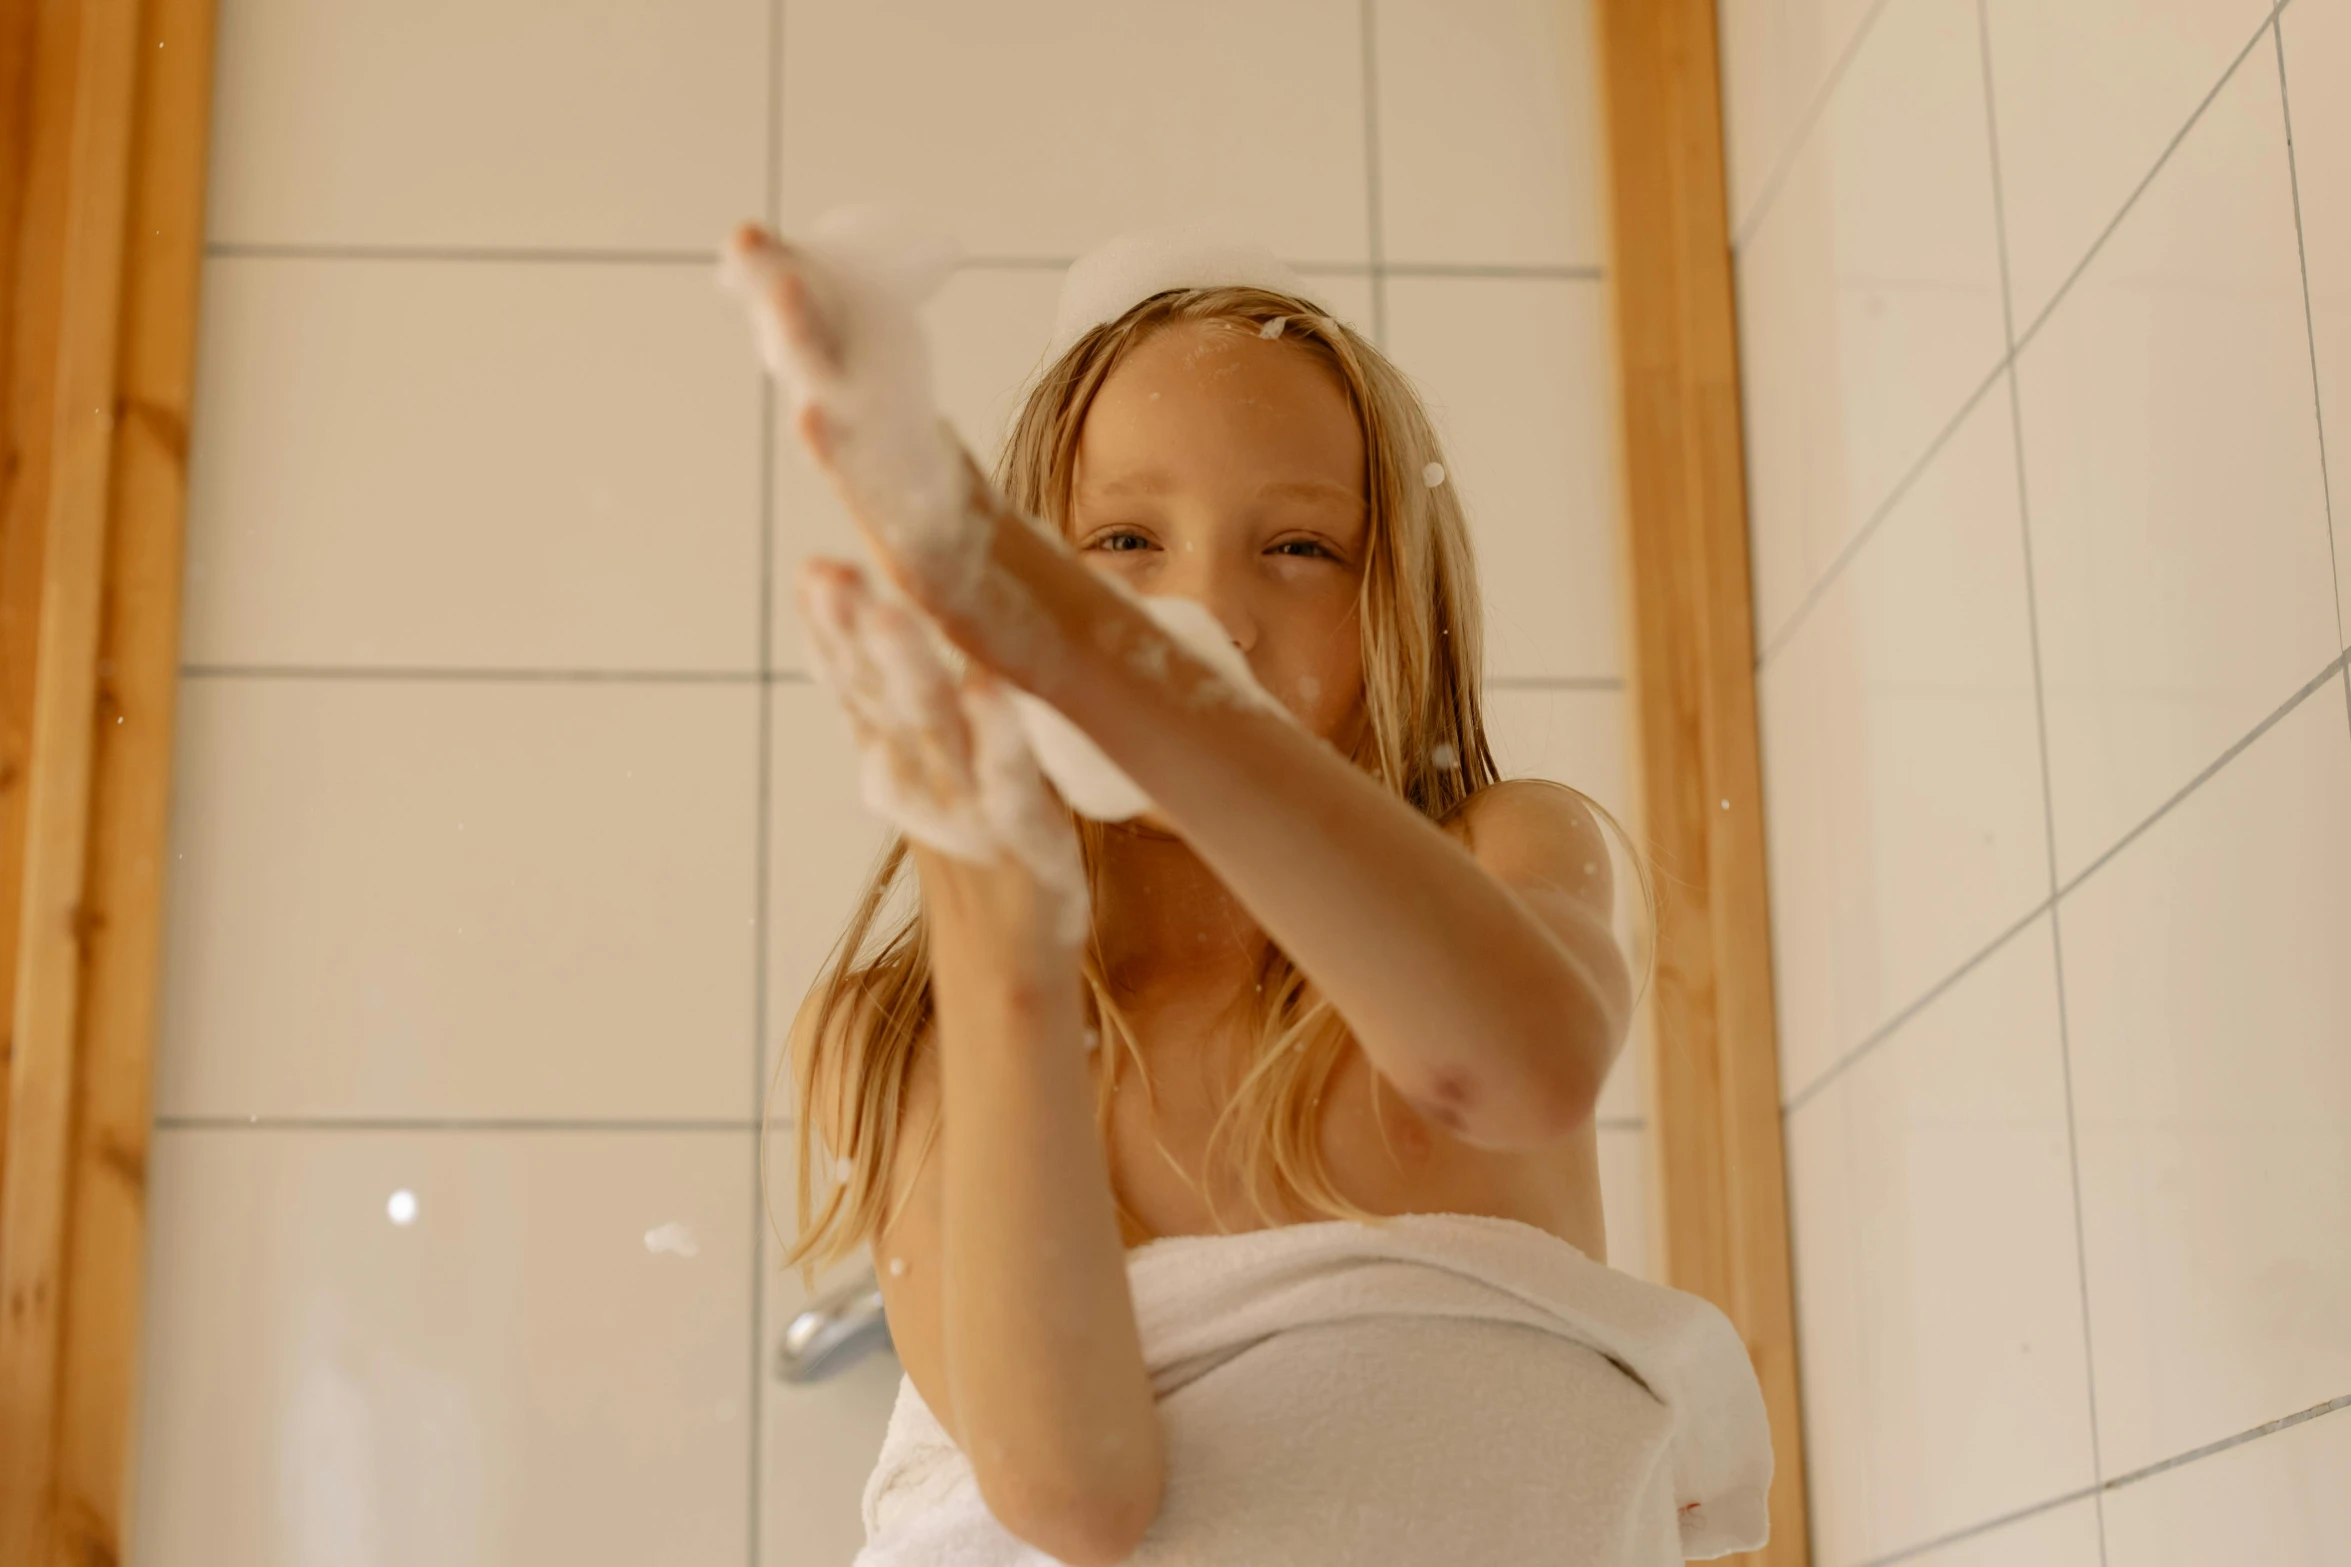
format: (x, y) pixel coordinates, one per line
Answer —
(838, 323)
(947, 763)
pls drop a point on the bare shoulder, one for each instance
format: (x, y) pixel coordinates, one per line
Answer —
(1530, 831)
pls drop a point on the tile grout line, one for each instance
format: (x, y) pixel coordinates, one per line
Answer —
(1374, 220)
(755, 1399)
(2339, 664)
(2018, 343)
(2032, 615)
(2100, 1489)
(1803, 132)
(2326, 486)
(2073, 275)
(1568, 272)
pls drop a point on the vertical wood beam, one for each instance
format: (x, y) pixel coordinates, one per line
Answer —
(1719, 1161)
(107, 246)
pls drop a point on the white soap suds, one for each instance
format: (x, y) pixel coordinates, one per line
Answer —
(897, 1267)
(1106, 282)
(1444, 756)
(877, 658)
(1091, 782)
(843, 1169)
(400, 1208)
(1433, 475)
(673, 1238)
(1273, 328)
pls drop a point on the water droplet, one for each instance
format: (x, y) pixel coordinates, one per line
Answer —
(401, 1209)
(843, 1169)
(897, 1266)
(1433, 475)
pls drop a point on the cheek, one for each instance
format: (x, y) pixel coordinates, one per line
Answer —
(1320, 678)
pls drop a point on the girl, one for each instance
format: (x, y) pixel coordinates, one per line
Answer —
(1337, 971)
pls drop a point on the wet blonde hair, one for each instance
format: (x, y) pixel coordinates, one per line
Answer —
(1420, 618)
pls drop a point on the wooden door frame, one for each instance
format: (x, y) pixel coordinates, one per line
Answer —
(107, 110)
(1718, 1162)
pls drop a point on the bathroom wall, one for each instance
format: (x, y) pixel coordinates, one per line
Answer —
(509, 830)
(2046, 340)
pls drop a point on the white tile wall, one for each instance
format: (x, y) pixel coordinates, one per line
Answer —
(1777, 60)
(1512, 183)
(2060, 1537)
(474, 464)
(1043, 127)
(1942, 1157)
(2068, 1236)
(512, 1375)
(1869, 295)
(1518, 377)
(555, 124)
(2316, 38)
(470, 830)
(1902, 769)
(460, 898)
(2281, 1499)
(2171, 455)
(2207, 998)
(2083, 121)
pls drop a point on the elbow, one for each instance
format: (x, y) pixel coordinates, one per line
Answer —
(1097, 1525)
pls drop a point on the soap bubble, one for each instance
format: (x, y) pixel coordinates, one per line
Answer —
(1433, 475)
(401, 1209)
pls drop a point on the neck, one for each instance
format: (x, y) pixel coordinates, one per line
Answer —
(1166, 923)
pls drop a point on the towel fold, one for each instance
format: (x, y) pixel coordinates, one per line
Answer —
(1439, 1388)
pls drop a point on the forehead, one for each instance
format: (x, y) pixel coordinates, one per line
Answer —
(1212, 401)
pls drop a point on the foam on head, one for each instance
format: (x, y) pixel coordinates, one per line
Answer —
(1113, 278)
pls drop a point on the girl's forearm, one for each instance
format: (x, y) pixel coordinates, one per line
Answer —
(1488, 1020)
(1044, 1359)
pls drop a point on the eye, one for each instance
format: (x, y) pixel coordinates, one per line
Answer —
(1119, 541)
(1307, 548)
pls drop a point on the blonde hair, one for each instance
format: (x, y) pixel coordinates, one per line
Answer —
(1420, 618)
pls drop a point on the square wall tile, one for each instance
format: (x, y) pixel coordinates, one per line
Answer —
(547, 1361)
(1518, 376)
(1869, 296)
(988, 330)
(2088, 96)
(2061, 1537)
(2206, 995)
(1976, 1396)
(1776, 60)
(1515, 181)
(597, 123)
(1045, 127)
(484, 464)
(460, 898)
(2316, 37)
(2278, 1498)
(1824, 1251)
(818, 1440)
(2180, 557)
(1901, 752)
(822, 845)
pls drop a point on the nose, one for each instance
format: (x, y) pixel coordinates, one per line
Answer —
(1222, 585)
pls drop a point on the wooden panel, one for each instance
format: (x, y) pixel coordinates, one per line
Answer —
(1721, 1183)
(107, 251)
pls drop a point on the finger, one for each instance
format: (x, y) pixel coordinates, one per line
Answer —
(814, 338)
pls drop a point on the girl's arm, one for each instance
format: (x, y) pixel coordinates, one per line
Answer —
(1012, 1309)
(1484, 982)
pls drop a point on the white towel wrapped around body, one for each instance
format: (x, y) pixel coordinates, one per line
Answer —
(1440, 1388)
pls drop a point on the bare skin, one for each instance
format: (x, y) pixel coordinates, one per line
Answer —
(1472, 963)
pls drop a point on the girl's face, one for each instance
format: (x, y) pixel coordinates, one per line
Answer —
(1225, 467)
